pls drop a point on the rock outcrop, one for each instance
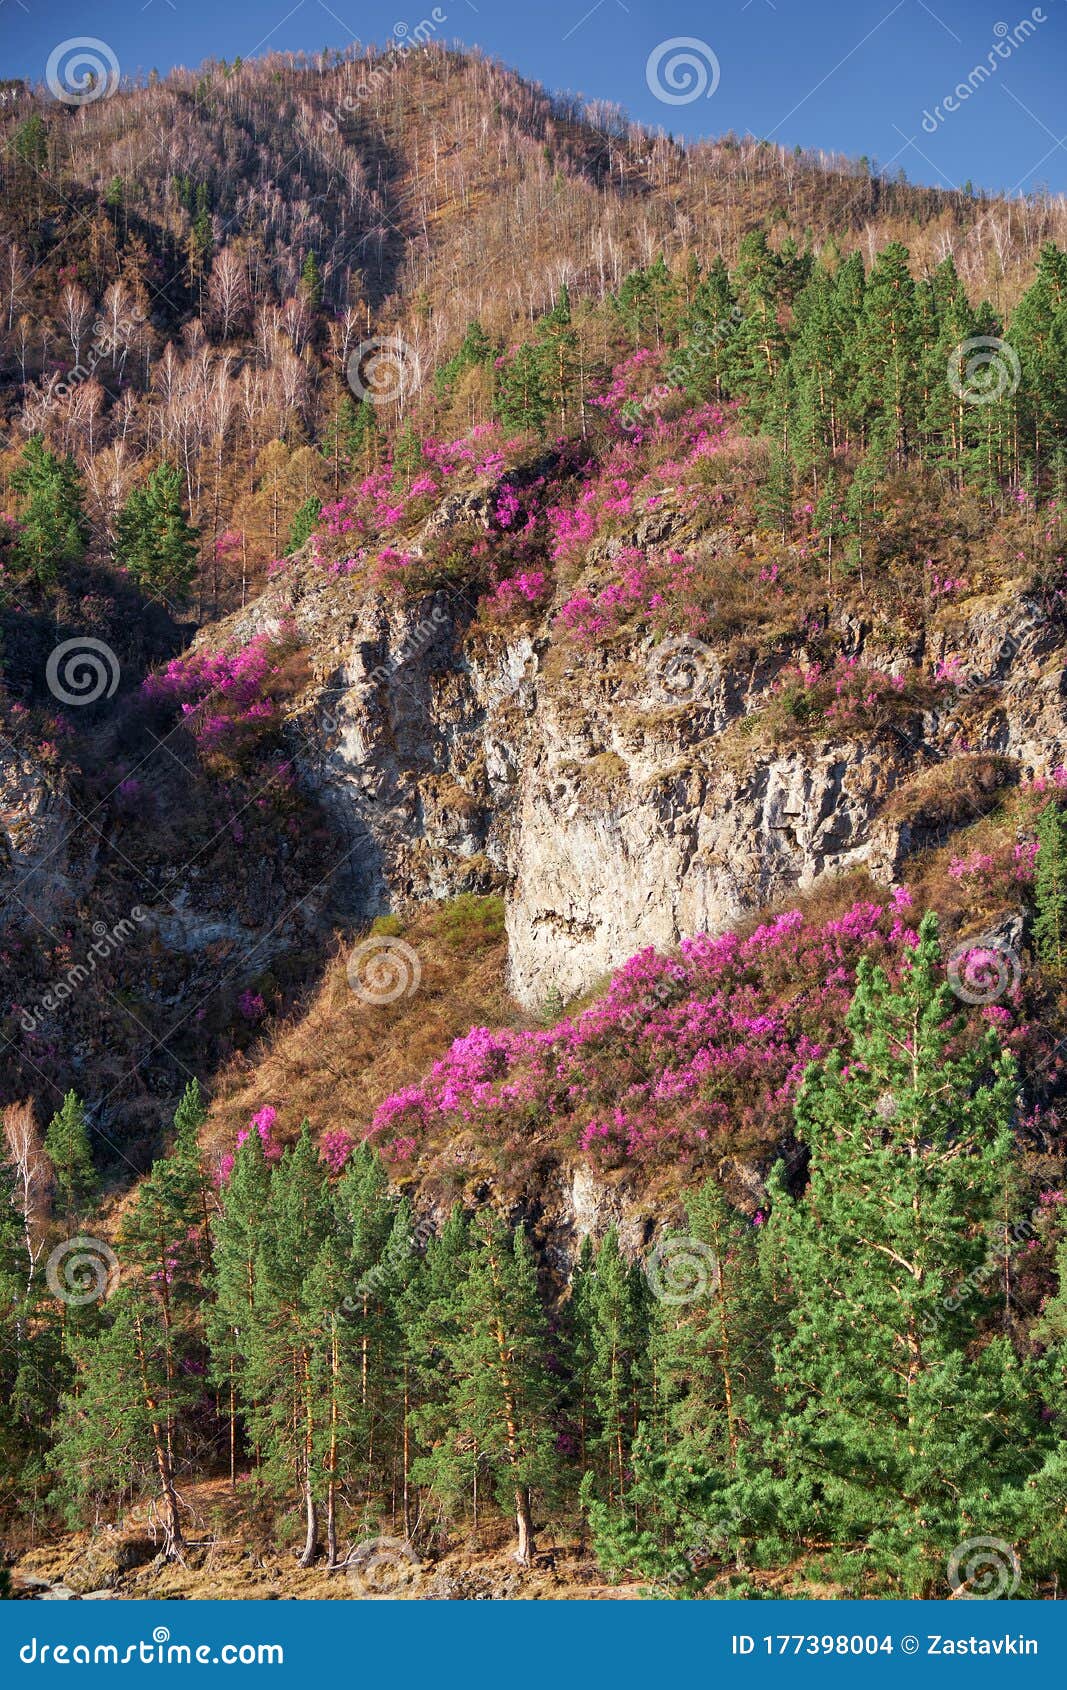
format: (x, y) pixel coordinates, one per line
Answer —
(454, 757)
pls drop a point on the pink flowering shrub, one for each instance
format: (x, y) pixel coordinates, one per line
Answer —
(847, 694)
(947, 586)
(627, 483)
(662, 592)
(262, 1122)
(335, 1149)
(227, 697)
(983, 876)
(682, 1057)
(515, 592)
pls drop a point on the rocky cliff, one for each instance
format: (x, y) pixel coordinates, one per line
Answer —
(630, 793)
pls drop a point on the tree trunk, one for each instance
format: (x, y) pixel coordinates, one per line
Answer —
(331, 1460)
(311, 1540)
(407, 1458)
(173, 1541)
(524, 1526)
(233, 1428)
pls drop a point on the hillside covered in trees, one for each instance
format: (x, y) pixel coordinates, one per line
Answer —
(533, 748)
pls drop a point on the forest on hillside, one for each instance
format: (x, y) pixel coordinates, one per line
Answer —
(282, 1275)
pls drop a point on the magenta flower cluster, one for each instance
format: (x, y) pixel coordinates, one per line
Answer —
(679, 1051)
(222, 694)
(262, 1122)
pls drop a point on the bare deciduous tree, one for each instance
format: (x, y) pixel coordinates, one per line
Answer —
(24, 1152)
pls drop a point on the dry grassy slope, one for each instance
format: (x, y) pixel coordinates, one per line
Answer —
(337, 1058)
(456, 187)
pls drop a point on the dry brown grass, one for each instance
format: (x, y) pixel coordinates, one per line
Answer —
(225, 1561)
(951, 793)
(337, 1058)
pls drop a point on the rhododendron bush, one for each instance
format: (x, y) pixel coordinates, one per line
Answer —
(540, 514)
(847, 694)
(227, 697)
(684, 1057)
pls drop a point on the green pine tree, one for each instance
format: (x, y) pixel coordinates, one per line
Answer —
(476, 348)
(705, 356)
(431, 1324)
(67, 1147)
(500, 1390)
(758, 349)
(305, 521)
(407, 454)
(1050, 887)
(352, 442)
(231, 1314)
(311, 281)
(156, 543)
(816, 365)
(281, 1380)
(708, 1358)
(889, 340)
(558, 343)
(1038, 336)
(892, 1435)
(521, 402)
(53, 529)
(118, 1425)
(618, 1315)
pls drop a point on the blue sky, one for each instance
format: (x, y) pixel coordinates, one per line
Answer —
(857, 76)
